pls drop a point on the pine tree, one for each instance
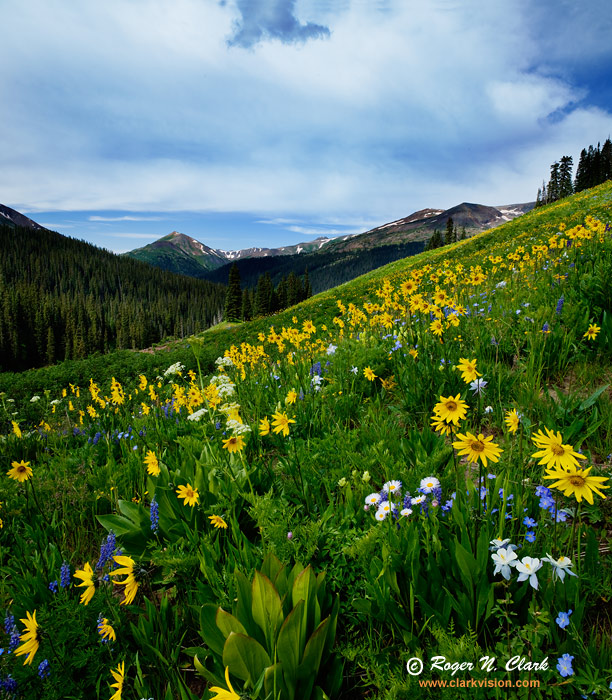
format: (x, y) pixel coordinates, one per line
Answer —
(247, 309)
(566, 167)
(553, 183)
(233, 298)
(581, 182)
(307, 287)
(450, 235)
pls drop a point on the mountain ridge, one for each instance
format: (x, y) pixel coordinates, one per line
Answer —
(178, 252)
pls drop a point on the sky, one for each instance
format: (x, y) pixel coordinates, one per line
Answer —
(269, 122)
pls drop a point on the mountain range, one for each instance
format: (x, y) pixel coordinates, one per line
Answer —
(331, 260)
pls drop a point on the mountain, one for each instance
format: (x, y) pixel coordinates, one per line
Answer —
(330, 261)
(420, 225)
(11, 217)
(182, 254)
(179, 253)
(61, 298)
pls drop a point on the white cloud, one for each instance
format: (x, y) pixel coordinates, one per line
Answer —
(126, 218)
(141, 106)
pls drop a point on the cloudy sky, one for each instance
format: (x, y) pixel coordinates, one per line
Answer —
(268, 122)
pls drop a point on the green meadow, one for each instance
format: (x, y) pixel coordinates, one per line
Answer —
(394, 489)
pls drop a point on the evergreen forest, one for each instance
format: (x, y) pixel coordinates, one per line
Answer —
(64, 299)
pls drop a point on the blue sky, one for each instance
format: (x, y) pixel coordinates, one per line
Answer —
(268, 122)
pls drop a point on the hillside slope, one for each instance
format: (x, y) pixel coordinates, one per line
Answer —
(61, 298)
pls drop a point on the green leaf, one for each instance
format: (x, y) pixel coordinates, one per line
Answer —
(308, 670)
(209, 631)
(245, 657)
(227, 623)
(587, 403)
(290, 646)
(266, 608)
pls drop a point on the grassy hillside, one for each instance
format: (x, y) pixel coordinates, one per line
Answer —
(430, 441)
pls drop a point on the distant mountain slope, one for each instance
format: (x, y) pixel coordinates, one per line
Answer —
(61, 298)
(185, 255)
(10, 217)
(421, 225)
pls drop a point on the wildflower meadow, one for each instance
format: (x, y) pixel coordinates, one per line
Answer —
(395, 486)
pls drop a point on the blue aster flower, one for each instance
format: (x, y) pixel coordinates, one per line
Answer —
(563, 619)
(564, 665)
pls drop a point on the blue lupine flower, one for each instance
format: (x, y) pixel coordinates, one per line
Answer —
(65, 575)
(154, 515)
(44, 670)
(564, 665)
(558, 311)
(107, 549)
(530, 536)
(15, 639)
(529, 522)
(563, 619)
(9, 623)
(53, 587)
(9, 686)
(315, 369)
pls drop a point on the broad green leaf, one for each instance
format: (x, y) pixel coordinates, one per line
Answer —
(209, 631)
(290, 646)
(266, 608)
(245, 657)
(227, 623)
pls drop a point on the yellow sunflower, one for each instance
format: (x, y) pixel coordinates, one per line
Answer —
(189, 495)
(152, 464)
(578, 483)
(222, 693)
(127, 565)
(234, 444)
(451, 409)
(86, 575)
(553, 453)
(21, 471)
(217, 521)
(280, 423)
(476, 448)
(368, 373)
(592, 332)
(468, 370)
(119, 675)
(264, 426)
(512, 420)
(106, 631)
(30, 638)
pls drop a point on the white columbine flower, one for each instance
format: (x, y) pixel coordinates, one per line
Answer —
(497, 543)
(527, 568)
(504, 559)
(354, 370)
(560, 566)
(331, 349)
(478, 385)
(429, 483)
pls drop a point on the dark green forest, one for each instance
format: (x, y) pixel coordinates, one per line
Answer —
(65, 299)
(325, 270)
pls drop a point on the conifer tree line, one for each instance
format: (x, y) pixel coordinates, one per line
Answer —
(65, 299)
(245, 304)
(451, 235)
(594, 167)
